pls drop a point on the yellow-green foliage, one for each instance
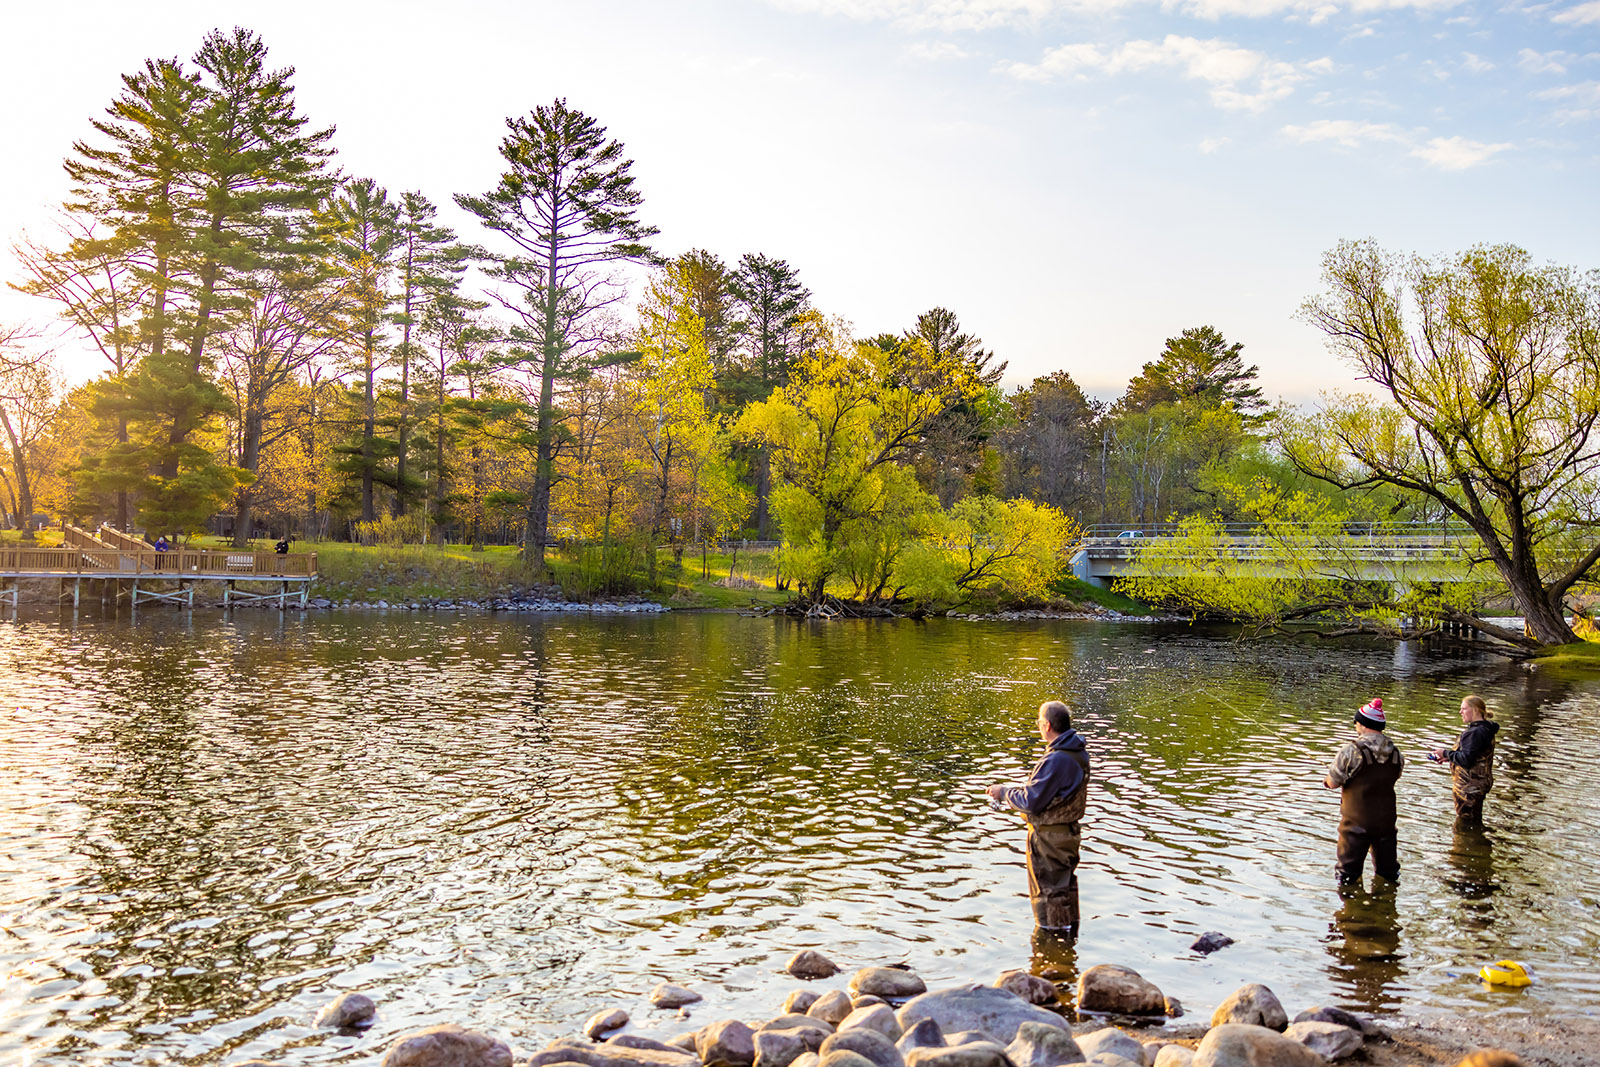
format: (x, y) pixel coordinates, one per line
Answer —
(354, 572)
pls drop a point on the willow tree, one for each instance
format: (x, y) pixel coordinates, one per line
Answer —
(839, 433)
(567, 207)
(1489, 370)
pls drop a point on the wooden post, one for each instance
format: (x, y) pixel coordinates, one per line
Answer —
(227, 594)
(283, 595)
(77, 584)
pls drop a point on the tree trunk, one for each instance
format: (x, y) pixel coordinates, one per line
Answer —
(19, 463)
(368, 430)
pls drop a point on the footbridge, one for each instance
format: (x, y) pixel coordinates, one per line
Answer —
(1375, 552)
(111, 563)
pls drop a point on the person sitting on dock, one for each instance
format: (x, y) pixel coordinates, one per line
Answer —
(1053, 801)
(1472, 760)
(1365, 770)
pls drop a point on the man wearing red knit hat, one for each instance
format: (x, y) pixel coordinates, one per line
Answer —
(1366, 770)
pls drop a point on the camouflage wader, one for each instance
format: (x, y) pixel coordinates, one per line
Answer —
(1054, 837)
(1471, 784)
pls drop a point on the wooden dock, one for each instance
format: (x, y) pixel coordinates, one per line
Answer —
(129, 566)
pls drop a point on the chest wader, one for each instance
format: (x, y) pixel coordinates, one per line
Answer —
(1053, 840)
(1366, 820)
(1471, 784)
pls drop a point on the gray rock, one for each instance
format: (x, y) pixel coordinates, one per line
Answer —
(667, 995)
(890, 982)
(727, 1041)
(809, 963)
(1174, 1056)
(1247, 1045)
(1327, 1014)
(602, 1021)
(684, 1041)
(965, 1037)
(1111, 1059)
(1253, 1005)
(640, 1041)
(994, 1011)
(807, 1059)
(791, 1021)
(1038, 1045)
(779, 1048)
(1029, 987)
(869, 1043)
(348, 1011)
(879, 1017)
(844, 1058)
(447, 1046)
(831, 1007)
(614, 1053)
(866, 1000)
(976, 1054)
(1119, 989)
(799, 1001)
(923, 1034)
(1209, 942)
(1174, 1007)
(1112, 1040)
(1333, 1041)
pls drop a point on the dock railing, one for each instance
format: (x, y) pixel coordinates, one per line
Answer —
(97, 560)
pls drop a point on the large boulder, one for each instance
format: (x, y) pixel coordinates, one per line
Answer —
(924, 1034)
(779, 1048)
(348, 1011)
(866, 1000)
(447, 1046)
(791, 1021)
(640, 1041)
(604, 1021)
(1111, 1059)
(1333, 1041)
(1247, 1045)
(994, 1011)
(808, 1059)
(613, 1053)
(844, 1058)
(1029, 987)
(1174, 1056)
(667, 995)
(890, 982)
(800, 1001)
(869, 1043)
(831, 1007)
(1253, 1005)
(1038, 1045)
(1120, 990)
(973, 1054)
(809, 963)
(1111, 1040)
(727, 1041)
(879, 1017)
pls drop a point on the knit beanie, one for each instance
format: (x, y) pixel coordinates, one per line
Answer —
(1371, 716)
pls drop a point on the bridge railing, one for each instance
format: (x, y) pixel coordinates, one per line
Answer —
(1341, 530)
(179, 563)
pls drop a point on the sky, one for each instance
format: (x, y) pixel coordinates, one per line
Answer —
(1077, 181)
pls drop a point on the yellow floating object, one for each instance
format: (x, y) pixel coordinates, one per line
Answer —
(1505, 972)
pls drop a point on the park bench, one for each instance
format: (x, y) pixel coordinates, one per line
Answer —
(242, 562)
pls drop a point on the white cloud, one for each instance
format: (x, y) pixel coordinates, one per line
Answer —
(1457, 153)
(1240, 78)
(1580, 15)
(1475, 64)
(994, 14)
(1347, 132)
(1542, 62)
(935, 51)
(1213, 144)
(1582, 101)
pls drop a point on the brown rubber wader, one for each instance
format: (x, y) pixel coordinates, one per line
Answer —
(1366, 820)
(1471, 784)
(1053, 840)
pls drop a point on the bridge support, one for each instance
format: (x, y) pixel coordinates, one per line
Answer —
(184, 594)
(8, 593)
(232, 593)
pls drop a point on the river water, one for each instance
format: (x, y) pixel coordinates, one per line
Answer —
(209, 825)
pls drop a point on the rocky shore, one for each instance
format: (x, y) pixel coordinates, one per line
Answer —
(497, 604)
(887, 1017)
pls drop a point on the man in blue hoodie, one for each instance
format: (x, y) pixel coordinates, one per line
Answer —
(1053, 800)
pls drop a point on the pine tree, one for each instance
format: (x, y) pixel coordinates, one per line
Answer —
(567, 206)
